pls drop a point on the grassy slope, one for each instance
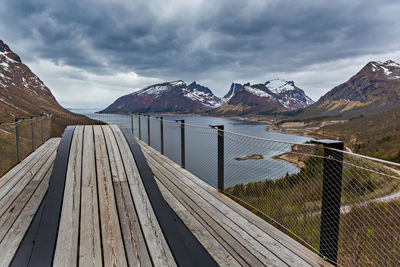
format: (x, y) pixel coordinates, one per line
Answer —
(377, 135)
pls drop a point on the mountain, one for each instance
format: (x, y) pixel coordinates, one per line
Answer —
(375, 88)
(22, 93)
(273, 96)
(173, 96)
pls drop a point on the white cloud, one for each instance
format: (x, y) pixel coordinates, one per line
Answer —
(74, 87)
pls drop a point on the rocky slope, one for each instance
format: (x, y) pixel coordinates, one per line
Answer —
(22, 93)
(374, 89)
(267, 98)
(174, 96)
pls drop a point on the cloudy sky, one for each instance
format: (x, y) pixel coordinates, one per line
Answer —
(89, 52)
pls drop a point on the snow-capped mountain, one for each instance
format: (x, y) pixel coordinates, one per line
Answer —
(173, 96)
(374, 89)
(22, 93)
(273, 96)
(232, 91)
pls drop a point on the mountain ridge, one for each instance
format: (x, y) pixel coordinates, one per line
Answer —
(277, 95)
(375, 86)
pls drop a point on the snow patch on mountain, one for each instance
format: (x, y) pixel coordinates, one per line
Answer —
(389, 68)
(278, 86)
(257, 92)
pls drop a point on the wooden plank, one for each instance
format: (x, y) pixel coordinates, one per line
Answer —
(155, 240)
(184, 246)
(29, 160)
(216, 250)
(14, 210)
(66, 252)
(113, 247)
(9, 181)
(12, 240)
(21, 182)
(279, 236)
(89, 241)
(262, 244)
(135, 245)
(220, 234)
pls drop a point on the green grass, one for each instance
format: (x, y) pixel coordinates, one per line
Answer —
(294, 202)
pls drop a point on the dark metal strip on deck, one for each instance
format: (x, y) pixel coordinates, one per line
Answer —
(39, 243)
(185, 248)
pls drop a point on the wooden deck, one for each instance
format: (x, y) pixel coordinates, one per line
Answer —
(21, 192)
(113, 201)
(233, 235)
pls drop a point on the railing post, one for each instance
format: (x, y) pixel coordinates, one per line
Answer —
(33, 132)
(133, 132)
(161, 133)
(182, 142)
(220, 156)
(17, 120)
(50, 126)
(41, 128)
(148, 129)
(140, 127)
(331, 195)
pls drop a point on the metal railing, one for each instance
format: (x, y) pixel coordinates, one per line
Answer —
(20, 138)
(343, 206)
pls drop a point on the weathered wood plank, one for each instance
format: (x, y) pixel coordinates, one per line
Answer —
(14, 210)
(9, 181)
(261, 242)
(22, 181)
(89, 242)
(113, 247)
(11, 241)
(291, 244)
(29, 160)
(66, 252)
(158, 247)
(135, 245)
(288, 242)
(220, 234)
(216, 250)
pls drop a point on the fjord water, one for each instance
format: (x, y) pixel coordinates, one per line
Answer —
(201, 146)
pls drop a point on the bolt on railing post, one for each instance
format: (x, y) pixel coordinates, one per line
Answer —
(331, 196)
(33, 132)
(182, 142)
(17, 139)
(161, 133)
(220, 156)
(148, 129)
(41, 128)
(140, 127)
(133, 132)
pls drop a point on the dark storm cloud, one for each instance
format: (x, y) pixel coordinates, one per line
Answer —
(178, 39)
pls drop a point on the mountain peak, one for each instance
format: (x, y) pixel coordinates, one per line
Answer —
(173, 96)
(178, 83)
(7, 54)
(389, 69)
(279, 86)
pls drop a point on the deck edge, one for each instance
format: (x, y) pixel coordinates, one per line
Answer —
(185, 247)
(38, 246)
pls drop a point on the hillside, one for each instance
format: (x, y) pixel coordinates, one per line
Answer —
(374, 89)
(174, 96)
(263, 99)
(363, 112)
(22, 93)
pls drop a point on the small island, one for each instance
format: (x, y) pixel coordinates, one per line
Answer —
(247, 157)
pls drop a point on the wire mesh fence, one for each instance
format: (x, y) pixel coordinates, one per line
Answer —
(285, 183)
(19, 139)
(333, 201)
